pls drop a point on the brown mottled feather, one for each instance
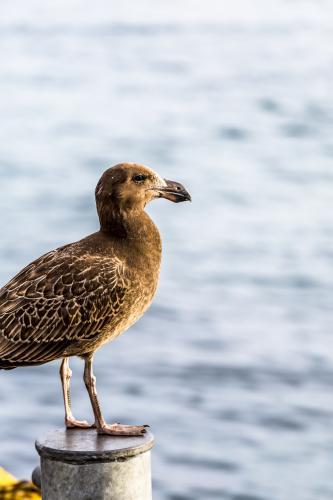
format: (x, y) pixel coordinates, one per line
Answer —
(57, 300)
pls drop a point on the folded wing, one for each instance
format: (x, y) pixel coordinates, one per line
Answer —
(57, 300)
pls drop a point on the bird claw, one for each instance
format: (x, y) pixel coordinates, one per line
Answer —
(122, 430)
(72, 423)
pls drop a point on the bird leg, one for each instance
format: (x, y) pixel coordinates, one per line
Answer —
(100, 424)
(65, 375)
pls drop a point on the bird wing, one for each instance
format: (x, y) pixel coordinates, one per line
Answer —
(56, 300)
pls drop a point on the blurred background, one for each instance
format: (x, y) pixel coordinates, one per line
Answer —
(233, 364)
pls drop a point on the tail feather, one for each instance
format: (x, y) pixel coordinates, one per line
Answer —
(9, 365)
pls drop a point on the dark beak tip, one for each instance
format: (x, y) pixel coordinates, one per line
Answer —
(185, 195)
(177, 191)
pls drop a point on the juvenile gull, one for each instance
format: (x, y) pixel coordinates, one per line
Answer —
(74, 299)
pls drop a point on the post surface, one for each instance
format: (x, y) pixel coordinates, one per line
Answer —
(82, 465)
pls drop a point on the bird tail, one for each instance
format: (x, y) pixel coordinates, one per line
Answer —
(10, 365)
(6, 365)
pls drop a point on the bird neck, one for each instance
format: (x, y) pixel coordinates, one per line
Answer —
(128, 224)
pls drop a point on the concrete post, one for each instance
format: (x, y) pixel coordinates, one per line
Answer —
(81, 465)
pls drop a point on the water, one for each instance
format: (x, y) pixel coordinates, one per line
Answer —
(233, 364)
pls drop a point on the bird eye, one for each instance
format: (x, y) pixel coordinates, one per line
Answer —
(139, 177)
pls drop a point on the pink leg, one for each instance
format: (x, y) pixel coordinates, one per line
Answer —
(65, 375)
(101, 426)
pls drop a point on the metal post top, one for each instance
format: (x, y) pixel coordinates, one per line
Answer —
(80, 446)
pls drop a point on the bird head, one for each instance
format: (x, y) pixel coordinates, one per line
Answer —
(129, 186)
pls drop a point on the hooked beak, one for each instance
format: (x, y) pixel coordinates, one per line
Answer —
(173, 191)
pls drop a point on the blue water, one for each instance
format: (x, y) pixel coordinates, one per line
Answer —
(233, 364)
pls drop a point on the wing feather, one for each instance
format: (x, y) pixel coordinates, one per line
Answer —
(58, 299)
